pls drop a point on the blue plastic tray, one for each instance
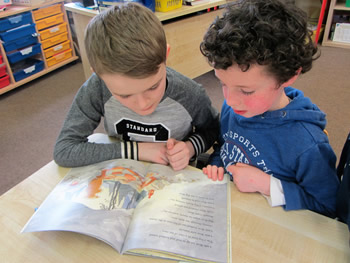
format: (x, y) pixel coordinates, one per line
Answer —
(20, 43)
(24, 53)
(18, 32)
(26, 68)
(15, 21)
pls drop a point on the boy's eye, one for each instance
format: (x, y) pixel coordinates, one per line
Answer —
(247, 92)
(153, 88)
(124, 96)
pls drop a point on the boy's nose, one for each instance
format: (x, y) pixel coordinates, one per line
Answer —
(232, 99)
(141, 101)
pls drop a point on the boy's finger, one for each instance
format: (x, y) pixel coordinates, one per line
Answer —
(214, 173)
(221, 174)
(205, 170)
(170, 143)
(208, 171)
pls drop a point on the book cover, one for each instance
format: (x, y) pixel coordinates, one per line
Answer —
(142, 209)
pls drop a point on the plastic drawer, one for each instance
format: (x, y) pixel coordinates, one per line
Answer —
(15, 21)
(49, 21)
(24, 53)
(57, 49)
(53, 31)
(18, 32)
(54, 40)
(3, 70)
(4, 81)
(20, 43)
(26, 68)
(47, 11)
(59, 58)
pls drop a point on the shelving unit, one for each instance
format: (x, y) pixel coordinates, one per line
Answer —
(54, 42)
(334, 7)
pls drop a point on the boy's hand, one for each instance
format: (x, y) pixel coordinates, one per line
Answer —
(179, 153)
(213, 172)
(154, 152)
(248, 178)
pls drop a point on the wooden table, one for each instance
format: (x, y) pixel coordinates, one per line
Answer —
(184, 28)
(259, 233)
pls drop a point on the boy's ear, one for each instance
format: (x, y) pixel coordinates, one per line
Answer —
(292, 79)
(167, 50)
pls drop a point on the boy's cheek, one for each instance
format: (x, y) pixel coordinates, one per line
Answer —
(257, 105)
(224, 91)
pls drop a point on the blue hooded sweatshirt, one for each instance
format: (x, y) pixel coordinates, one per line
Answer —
(289, 144)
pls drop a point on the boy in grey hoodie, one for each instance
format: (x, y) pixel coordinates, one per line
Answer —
(156, 114)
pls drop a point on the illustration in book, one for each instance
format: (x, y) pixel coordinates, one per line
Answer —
(142, 209)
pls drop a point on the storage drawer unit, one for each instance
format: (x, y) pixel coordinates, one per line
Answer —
(35, 40)
(53, 33)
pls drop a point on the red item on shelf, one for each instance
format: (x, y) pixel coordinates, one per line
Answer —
(4, 81)
(2, 70)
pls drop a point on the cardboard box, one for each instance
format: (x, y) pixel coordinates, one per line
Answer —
(30, 2)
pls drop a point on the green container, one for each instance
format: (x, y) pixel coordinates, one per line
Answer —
(347, 3)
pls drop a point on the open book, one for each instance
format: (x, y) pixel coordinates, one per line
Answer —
(142, 209)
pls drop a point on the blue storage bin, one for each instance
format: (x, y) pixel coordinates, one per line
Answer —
(20, 43)
(26, 68)
(18, 32)
(15, 21)
(151, 4)
(24, 53)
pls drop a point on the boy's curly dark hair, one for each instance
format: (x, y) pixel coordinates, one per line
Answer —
(266, 32)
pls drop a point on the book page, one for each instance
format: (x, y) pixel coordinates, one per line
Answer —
(185, 215)
(96, 200)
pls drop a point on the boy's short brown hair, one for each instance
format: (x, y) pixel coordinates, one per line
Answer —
(127, 39)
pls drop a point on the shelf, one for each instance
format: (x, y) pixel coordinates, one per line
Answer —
(330, 43)
(52, 15)
(17, 9)
(162, 16)
(341, 7)
(334, 6)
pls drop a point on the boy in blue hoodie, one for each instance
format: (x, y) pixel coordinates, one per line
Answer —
(272, 138)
